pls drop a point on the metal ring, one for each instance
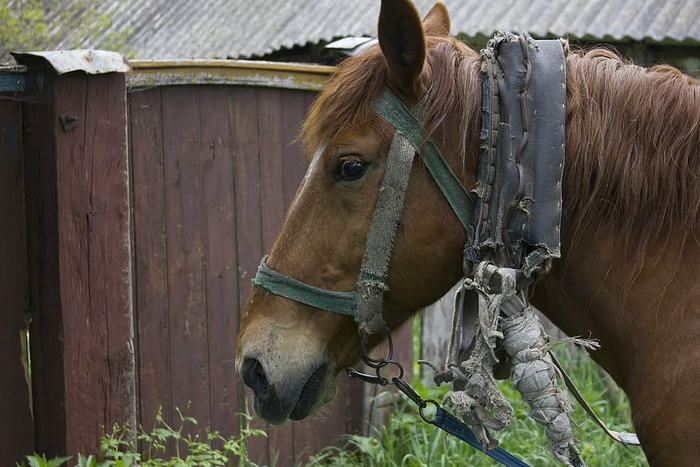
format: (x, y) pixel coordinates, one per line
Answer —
(386, 363)
(376, 362)
(421, 411)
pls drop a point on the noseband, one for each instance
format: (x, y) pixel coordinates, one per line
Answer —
(366, 303)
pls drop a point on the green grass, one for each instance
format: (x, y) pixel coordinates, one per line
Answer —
(408, 441)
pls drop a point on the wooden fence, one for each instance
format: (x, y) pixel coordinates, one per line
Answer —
(134, 209)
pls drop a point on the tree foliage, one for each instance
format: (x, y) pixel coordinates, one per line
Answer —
(22, 26)
(27, 25)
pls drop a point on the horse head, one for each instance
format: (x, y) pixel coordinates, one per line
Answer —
(290, 352)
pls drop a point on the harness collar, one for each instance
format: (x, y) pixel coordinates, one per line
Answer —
(516, 220)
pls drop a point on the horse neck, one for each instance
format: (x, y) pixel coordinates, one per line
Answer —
(633, 149)
(631, 202)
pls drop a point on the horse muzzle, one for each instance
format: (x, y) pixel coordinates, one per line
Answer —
(295, 397)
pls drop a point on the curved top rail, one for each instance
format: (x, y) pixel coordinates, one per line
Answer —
(148, 73)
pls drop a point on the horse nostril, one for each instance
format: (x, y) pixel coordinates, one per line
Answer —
(253, 375)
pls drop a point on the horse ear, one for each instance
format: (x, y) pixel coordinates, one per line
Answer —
(437, 21)
(402, 42)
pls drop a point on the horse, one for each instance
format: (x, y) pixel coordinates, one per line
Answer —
(629, 272)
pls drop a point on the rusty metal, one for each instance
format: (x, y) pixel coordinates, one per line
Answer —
(69, 120)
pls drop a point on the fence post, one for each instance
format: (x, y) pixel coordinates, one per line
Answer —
(17, 430)
(79, 254)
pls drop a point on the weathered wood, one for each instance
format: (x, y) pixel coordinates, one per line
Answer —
(221, 273)
(78, 219)
(243, 115)
(251, 166)
(184, 228)
(246, 143)
(294, 110)
(151, 325)
(270, 118)
(95, 257)
(435, 330)
(17, 432)
(42, 259)
(276, 75)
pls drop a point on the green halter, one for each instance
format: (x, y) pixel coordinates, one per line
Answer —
(365, 303)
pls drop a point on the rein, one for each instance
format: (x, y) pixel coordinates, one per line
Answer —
(512, 221)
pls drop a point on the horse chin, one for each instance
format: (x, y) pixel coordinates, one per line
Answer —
(311, 397)
(300, 398)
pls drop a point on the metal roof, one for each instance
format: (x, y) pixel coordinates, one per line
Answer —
(167, 29)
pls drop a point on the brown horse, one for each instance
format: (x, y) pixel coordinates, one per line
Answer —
(629, 274)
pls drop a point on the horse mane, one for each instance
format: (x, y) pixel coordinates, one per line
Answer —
(633, 152)
(633, 135)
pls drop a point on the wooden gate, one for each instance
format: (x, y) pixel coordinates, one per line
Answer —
(150, 198)
(214, 167)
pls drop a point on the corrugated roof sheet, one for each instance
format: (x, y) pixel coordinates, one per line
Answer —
(163, 29)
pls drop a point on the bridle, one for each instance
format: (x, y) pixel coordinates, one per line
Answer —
(366, 303)
(512, 218)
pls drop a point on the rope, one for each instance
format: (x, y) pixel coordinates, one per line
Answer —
(534, 375)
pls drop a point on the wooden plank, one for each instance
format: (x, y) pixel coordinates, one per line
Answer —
(42, 259)
(108, 222)
(270, 118)
(73, 194)
(94, 255)
(221, 275)
(17, 435)
(243, 115)
(294, 111)
(152, 325)
(436, 327)
(189, 358)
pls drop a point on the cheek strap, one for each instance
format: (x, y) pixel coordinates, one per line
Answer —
(366, 303)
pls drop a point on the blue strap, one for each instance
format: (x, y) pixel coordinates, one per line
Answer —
(451, 424)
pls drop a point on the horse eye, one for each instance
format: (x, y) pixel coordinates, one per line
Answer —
(351, 169)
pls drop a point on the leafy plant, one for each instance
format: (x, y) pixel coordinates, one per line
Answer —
(41, 461)
(118, 449)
